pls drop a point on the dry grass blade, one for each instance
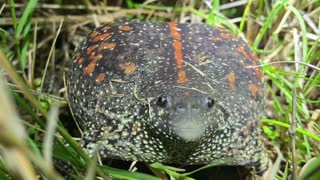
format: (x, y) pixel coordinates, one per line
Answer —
(19, 163)
(289, 62)
(90, 174)
(12, 136)
(6, 65)
(50, 54)
(292, 130)
(9, 120)
(13, 144)
(2, 7)
(50, 132)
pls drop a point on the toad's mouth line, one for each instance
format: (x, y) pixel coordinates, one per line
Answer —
(189, 128)
(188, 125)
(189, 133)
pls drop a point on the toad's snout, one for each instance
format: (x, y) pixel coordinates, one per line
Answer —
(187, 123)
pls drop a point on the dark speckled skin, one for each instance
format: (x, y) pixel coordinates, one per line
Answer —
(166, 92)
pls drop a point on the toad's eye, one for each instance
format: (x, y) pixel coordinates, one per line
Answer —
(210, 102)
(162, 101)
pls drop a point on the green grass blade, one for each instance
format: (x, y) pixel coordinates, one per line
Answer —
(310, 170)
(310, 54)
(274, 13)
(244, 16)
(124, 174)
(25, 17)
(214, 10)
(13, 13)
(303, 30)
(299, 130)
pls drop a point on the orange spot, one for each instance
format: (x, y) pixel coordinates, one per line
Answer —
(125, 28)
(232, 80)
(254, 56)
(222, 29)
(128, 68)
(101, 37)
(254, 89)
(257, 70)
(80, 61)
(100, 77)
(177, 45)
(90, 50)
(94, 34)
(241, 50)
(90, 68)
(214, 38)
(178, 53)
(228, 36)
(182, 76)
(107, 46)
(173, 31)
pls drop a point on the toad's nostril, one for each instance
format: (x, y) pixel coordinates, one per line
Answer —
(180, 108)
(195, 107)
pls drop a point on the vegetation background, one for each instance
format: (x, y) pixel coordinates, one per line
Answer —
(37, 40)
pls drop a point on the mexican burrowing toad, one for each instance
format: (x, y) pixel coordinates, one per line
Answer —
(168, 92)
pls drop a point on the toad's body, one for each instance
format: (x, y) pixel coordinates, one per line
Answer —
(166, 92)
